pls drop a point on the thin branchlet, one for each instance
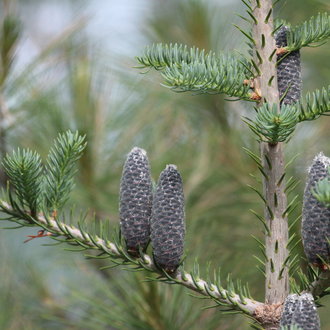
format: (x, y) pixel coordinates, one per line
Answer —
(117, 253)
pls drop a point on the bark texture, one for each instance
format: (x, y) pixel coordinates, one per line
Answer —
(277, 283)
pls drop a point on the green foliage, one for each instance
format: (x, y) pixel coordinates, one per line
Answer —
(312, 279)
(159, 56)
(61, 168)
(34, 186)
(273, 126)
(24, 170)
(315, 105)
(322, 191)
(310, 33)
(192, 70)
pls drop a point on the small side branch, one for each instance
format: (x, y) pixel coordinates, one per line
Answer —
(54, 227)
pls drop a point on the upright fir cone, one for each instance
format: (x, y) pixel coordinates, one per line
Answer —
(288, 70)
(167, 222)
(300, 311)
(136, 201)
(316, 216)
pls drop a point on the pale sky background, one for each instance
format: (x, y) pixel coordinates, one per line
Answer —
(116, 25)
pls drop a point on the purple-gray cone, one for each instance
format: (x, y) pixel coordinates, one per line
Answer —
(167, 222)
(288, 71)
(300, 311)
(316, 216)
(136, 201)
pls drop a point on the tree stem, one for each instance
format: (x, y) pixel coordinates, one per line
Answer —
(277, 283)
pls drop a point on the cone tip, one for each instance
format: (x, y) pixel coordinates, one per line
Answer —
(138, 150)
(171, 167)
(322, 158)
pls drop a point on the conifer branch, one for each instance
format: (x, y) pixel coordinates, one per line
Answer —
(116, 252)
(274, 127)
(160, 56)
(311, 33)
(320, 286)
(192, 70)
(61, 168)
(314, 105)
(24, 170)
(315, 281)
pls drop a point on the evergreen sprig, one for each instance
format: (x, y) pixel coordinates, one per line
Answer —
(311, 33)
(212, 77)
(159, 56)
(313, 280)
(61, 167)
(322, 191)
(193, 70)
(315, 104)
(273, 126)
(24, 170)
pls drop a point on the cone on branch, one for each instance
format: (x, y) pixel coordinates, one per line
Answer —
(136, 201)
(316, 217)
(299, 312)
(288, 70)
(167, 224)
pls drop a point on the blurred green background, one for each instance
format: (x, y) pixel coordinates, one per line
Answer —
(73, 67)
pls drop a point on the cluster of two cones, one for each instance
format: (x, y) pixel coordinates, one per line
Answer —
(157, 215)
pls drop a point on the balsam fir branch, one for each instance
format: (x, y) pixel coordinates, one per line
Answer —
(209, 77)
(193, 70)
(314, 105)
(37, 186)
(25, 173)
(310, 33)
(274, 127)
(159, 56)
(117, 253)
(60, 169)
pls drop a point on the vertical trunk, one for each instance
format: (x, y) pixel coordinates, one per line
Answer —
(277, 286)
